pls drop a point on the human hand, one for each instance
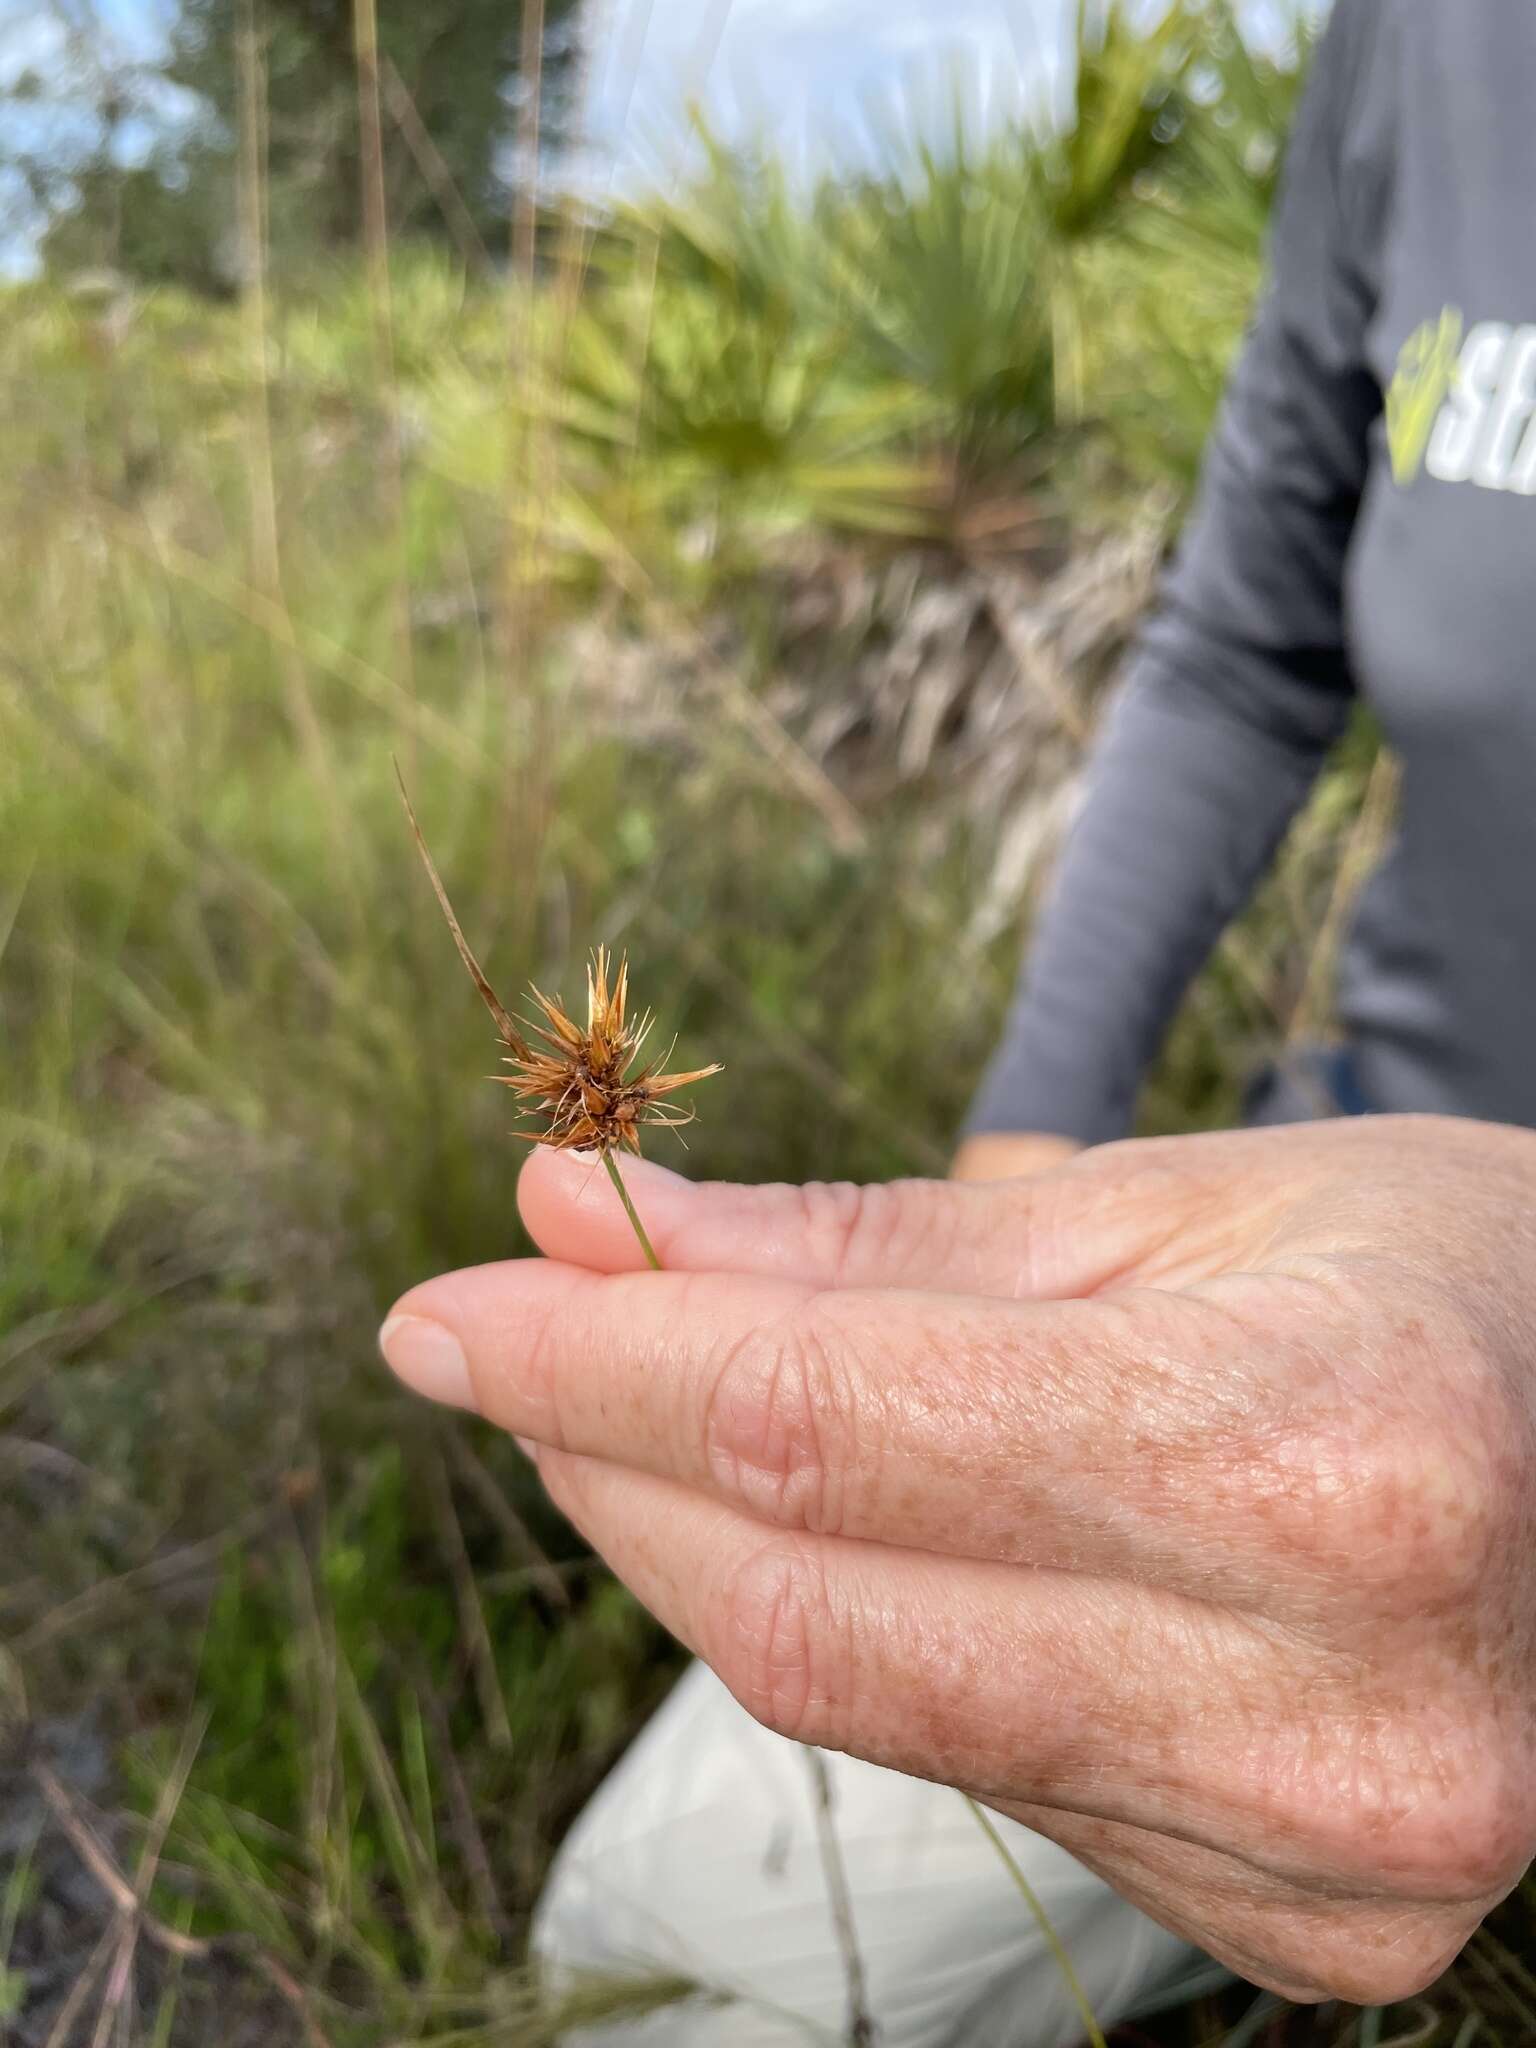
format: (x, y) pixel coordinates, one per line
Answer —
(1177, 1503)
(1005, 1155)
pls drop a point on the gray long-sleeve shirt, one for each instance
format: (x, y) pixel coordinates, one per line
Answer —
(1366, 522)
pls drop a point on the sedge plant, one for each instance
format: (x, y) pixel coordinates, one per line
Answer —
(583, 1085)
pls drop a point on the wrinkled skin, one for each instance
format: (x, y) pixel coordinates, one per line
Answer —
(1178, 1500)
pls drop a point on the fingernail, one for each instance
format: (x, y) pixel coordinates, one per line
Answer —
(637, 1172)
(528, 1447)
(429, 1359)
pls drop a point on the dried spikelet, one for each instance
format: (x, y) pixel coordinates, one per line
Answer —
(577, 1080)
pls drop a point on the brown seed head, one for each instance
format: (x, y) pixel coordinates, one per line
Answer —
(578, 1081)
(585, 1082)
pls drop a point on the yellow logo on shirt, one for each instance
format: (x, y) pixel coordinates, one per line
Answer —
(1426, 369)
(1462, 406)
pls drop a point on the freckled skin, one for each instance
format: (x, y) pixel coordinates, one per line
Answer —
(1180, 1501)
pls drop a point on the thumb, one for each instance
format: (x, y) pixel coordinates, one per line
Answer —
(1064, 1233)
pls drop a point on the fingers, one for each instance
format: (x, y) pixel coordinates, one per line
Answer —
(1168, 1211)
(1085, 1435)
(1189, 1759)
(1034, 1685)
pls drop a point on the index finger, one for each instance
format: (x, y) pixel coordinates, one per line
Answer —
(1090, 1435)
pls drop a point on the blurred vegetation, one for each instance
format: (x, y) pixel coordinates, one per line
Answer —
(141, 176)
(737, 583)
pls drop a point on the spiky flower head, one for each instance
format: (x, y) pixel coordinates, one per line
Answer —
(582, 1083)
(586, 1083)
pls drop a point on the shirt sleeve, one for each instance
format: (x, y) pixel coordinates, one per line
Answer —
(1241, 682)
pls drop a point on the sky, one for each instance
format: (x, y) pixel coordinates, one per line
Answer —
(34, 39)
(820, 78)
(31, 36)
(825, 81)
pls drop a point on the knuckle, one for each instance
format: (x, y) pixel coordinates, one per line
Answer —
(547, 1343)
(1410, 1508)
(1430, 1807)
(1479, 1866)
(833, 1217)
(862, 1230)
(1471, 1816)
(777, 1645)
(1393, 1960)
(1382, 1489)
(1334, 1493)
(778, 1422)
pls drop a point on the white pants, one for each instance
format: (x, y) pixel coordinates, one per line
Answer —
(701, 1856)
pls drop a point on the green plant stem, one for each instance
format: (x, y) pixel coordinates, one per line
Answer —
(1073, 1983)
(631, 1212)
